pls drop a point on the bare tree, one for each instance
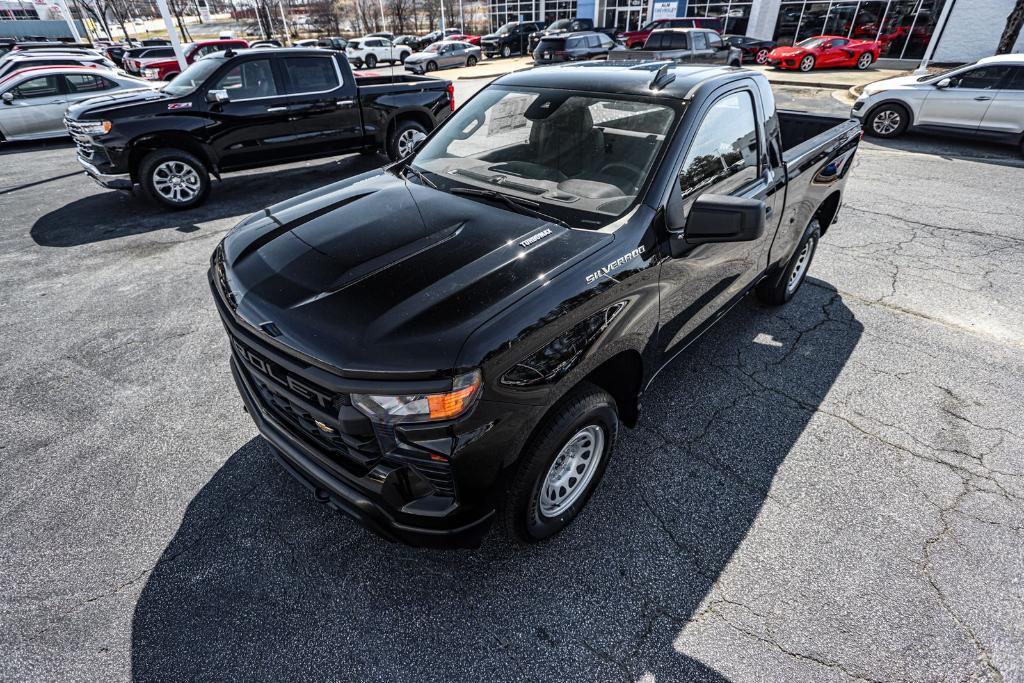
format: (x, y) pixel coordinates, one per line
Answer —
(1014, 23)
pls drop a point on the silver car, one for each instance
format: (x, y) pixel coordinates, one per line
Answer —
(983, 100)
(33, 101)
(14, 62)
(445, 54)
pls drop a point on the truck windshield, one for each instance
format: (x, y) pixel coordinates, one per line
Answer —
(580, 156)
(192, 77)
(506, 28)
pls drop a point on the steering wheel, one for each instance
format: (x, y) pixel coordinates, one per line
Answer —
(624, 171)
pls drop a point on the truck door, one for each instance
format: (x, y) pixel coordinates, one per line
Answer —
(724, 157)
(700, 52)
(324, 104)
(252, 126)
(719, 48)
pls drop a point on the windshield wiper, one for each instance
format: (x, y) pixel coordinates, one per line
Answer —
(419, 174)
(517, 205)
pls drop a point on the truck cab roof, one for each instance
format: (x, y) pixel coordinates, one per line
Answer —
(622, 78)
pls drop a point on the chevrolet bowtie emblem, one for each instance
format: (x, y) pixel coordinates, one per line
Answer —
(323, 427)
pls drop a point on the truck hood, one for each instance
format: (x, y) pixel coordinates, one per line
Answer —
(123, 98)
(380, 275)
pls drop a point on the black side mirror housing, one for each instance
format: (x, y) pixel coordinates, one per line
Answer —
(714, 218)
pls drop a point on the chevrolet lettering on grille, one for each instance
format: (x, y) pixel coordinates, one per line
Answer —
(277, 374)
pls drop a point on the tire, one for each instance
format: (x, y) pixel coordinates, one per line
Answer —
(506, 51)
(778, 293)
(807, 63)
(864, 61)
(535, 509)
(170, 77)
(157, 174)
(762, 56)
(402, 56)
(431, 66)
(470, 61)
(403, 134)
(887, 121)
(370, 61)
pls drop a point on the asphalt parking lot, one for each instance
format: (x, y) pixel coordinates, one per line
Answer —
(831, 491)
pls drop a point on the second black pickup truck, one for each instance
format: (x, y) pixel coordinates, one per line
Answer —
(456, 338)
(234, 110)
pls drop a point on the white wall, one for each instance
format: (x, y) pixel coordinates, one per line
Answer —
(974, 29)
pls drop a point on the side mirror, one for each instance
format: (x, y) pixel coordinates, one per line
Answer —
(8, 98)
(217, 96)
(716, 218)
(944, 83)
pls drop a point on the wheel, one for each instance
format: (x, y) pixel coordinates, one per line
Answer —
(506, 51)
(778, 293)
(561, 465)
(402, 56)
(370, 62)
(403, 139)
(864, 61)
(807, 63)
(431, 66)
(762, 56)
(170, 77)
(471, 61)
(887, 121)
(174, 178)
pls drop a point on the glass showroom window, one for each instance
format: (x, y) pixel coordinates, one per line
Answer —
(503, 12)
(903, 27)
(734, 15)
(559, 9)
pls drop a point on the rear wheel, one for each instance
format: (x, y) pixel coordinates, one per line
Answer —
(506, 51)
(174, 179)
(807, 63)
(561, 465)
(471, 61)
(762, 56)
(778, 293)
(888, 121)
(403, 139)
(170, 77)
(864, 61)
(371, 61)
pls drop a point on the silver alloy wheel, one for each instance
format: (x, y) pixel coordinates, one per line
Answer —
(571, 471)
(802, 260)
(762, 56)
(807, 63)
(407, 142)
(864, 61)
(176, 181)
(886, 122)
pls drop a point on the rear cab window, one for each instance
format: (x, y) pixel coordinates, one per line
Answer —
(313, 74)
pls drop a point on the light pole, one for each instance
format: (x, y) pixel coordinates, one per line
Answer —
(383, 21)
(172, 34)
(66, 11)
(940, 25)
(287, 35)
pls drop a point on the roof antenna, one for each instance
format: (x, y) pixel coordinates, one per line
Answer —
(662, 77)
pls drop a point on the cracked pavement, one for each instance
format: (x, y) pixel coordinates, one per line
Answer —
(830, 491)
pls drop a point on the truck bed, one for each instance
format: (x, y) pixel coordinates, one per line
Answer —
(400, 82)
(804, 132)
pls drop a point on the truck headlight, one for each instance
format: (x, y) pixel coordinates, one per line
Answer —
(152, 74)
(422, 407)
(95, 127)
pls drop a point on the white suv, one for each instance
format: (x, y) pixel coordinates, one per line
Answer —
(983, 100)
(369, 50)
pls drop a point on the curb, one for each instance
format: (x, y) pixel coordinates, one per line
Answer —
(810, 84)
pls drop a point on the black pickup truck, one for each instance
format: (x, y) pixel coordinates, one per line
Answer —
(456, 338)
(249, 108)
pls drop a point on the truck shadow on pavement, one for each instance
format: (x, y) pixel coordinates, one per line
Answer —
(108, 214)
(262, 582)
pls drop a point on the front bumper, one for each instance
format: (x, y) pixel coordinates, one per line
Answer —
(111, 181)
(415, 68)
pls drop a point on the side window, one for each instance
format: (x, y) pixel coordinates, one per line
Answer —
(714, 41)
(573, 44)
(593, 41)
(840, 42)
(311, 74)
(249, 80)
(985, 78)
(44, 86)
(699, 41)
(677, 41)
(79, 83)
(605, 40)
(723, 155)
(1016, 80)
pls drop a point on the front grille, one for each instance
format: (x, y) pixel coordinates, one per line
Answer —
(82, 141)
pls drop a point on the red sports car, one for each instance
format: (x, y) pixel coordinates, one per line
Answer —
(472, 40)
(821, 52)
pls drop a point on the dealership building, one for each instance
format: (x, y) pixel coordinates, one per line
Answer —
(905, 28)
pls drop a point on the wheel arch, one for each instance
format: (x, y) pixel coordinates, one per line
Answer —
(420, 116)
(828, 209)
(142, 146)
(900, 103)
(622, 377)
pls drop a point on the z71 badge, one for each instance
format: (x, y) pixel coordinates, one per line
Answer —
(179, 105)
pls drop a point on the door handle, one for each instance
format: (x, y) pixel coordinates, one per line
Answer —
(344, 103)
(982, 98)
(273, 109)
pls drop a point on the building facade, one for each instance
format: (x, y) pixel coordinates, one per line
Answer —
(905, 28)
